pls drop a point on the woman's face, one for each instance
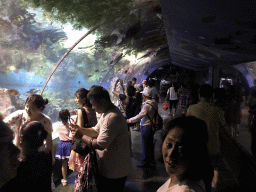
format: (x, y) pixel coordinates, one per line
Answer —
(80, 101)
(8, 162)
(175, 152)
(31, 109)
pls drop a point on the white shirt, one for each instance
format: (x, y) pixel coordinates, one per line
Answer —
(13, 120)
(184, 186)
(173, 94)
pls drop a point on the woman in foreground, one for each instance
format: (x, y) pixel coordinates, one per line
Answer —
(185, 156)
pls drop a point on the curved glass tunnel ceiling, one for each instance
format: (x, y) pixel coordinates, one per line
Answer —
(130, 43)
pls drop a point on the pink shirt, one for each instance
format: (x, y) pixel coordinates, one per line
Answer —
(64, 131)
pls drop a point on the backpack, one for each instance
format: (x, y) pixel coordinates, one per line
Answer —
(156, 121)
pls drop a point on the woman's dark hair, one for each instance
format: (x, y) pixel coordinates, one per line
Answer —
(98, 93)
(82, 93)
(195, 133)
(175, 86)
(38, 100)
(150, 82)
(33, 134)
(130, 90)
(64, 115)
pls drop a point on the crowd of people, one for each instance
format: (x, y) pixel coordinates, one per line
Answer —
(191, 156)
(228, 100)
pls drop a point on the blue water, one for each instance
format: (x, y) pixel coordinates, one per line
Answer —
(24, 81)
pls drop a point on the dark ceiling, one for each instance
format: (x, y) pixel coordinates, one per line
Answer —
(203, 33)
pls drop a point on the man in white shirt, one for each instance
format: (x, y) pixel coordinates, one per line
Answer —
(110, 139)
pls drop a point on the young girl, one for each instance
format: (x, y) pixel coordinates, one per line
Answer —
(35, 170)
(76, 160)
(64, 148)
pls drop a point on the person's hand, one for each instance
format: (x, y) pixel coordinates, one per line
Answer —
(53, 160)
(75, 131)
(117, 81)
(127, 121)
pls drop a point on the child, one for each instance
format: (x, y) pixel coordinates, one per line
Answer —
(35, 170)
(64, 148)
(76, 160)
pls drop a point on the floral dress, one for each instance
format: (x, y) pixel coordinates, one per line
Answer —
(183, 100)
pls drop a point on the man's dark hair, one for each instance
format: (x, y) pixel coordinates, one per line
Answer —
(98, 93)
(206, 91)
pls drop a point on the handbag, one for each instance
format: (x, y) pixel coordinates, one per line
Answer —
(87, 179)
(77, 145)
(156, 121)
(165, 105)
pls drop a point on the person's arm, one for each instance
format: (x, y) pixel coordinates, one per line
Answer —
(250, 118)
(122, 85)
(80, 120)
(138, 117)
(114, 89)
(13, 118)
(49, 142)
(85, 134)
(167, 95)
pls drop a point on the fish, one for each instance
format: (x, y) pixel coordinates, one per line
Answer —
(79, 82)
(89, 75)
(35, 90)
(12, 68)
(96, 70)
(30, 92)
(12, 92)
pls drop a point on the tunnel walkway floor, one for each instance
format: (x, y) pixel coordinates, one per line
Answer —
(234, 171)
